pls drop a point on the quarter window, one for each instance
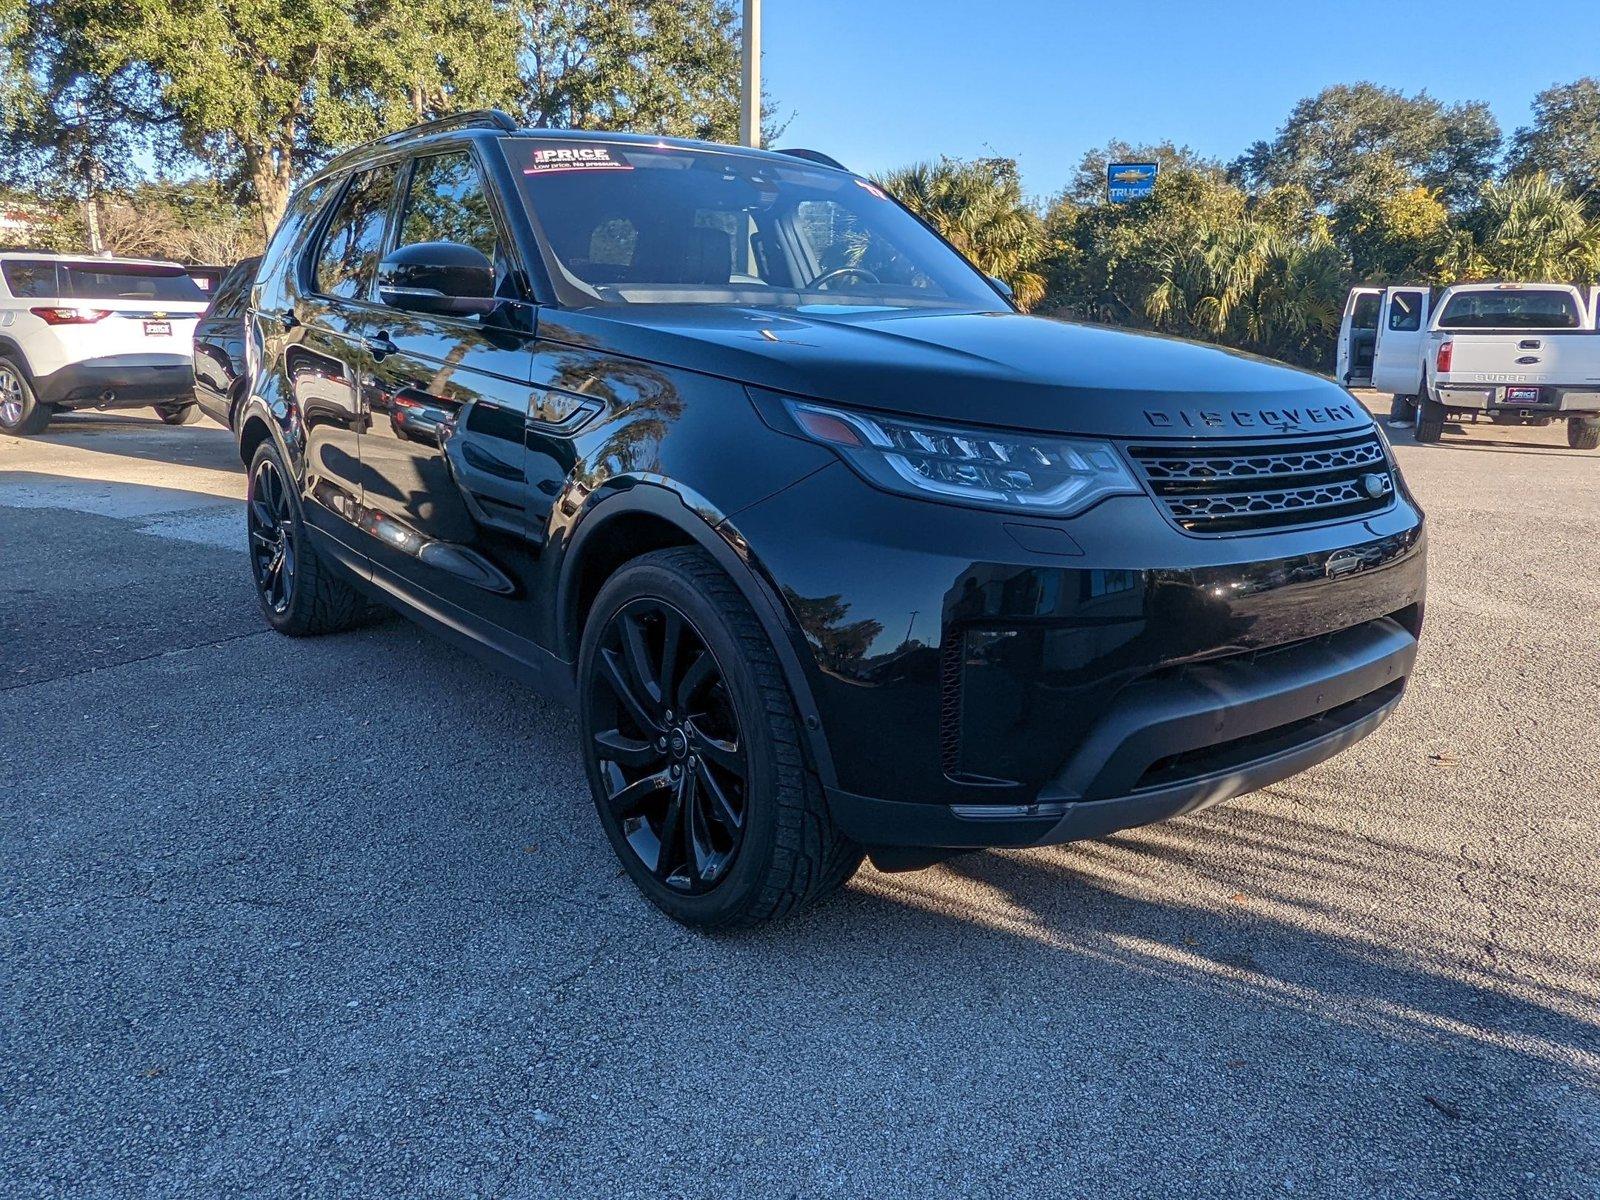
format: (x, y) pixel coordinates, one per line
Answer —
(354, 241)
(233, 290)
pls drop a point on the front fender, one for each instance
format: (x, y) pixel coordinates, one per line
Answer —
(694, 518)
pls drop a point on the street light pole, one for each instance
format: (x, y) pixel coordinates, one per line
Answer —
(750, 80)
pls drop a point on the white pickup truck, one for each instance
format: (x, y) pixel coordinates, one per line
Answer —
(1510, 353)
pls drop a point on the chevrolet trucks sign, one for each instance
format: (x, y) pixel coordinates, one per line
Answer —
(1129, 181)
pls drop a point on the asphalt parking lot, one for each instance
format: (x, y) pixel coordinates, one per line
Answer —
(334, 917)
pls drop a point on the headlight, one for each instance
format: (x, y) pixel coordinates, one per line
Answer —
(985, 468)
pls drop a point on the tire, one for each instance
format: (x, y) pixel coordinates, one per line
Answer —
(21, 413)
(1403, 409)
(301, 597)
(1430, 421)
(715, 752)
(1583, 433)
(178, 414)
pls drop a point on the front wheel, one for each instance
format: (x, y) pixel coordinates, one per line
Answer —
(1403, 409)
(178, 414)
(692, 746)
(1430, 421)
(1583, 433)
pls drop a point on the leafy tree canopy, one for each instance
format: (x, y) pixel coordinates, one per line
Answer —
(1356, 138)
(1564, 140)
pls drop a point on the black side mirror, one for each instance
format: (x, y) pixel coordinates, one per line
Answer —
(437, 277)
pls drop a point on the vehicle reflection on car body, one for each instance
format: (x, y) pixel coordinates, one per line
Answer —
(835, 551)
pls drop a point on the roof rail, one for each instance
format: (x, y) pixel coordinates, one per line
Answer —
(478, 118)
(816, 156)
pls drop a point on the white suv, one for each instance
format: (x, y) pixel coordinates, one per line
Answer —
(82, 332)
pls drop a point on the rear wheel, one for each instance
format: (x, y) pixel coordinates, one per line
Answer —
(692, 746)
(299, 594)
(1403, 409)
(1583, 433)
(178, 414)
(1430, 421)
(20, 411)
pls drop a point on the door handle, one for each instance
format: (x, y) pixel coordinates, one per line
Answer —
(381, 345)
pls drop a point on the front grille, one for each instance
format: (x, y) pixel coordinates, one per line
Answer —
(1238, 486)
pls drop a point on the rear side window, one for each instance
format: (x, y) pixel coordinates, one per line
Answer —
(1513, 308)
(234, 290)
(354, 239)
(291, 231)
(46, 280)
(1405, 312)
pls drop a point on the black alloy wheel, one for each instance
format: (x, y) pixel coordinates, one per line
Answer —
(270, 519)
(669, 748)
(694, 751)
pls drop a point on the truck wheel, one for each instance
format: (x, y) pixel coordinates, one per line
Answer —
(20, 411)
(1430, 421)
(299, 594)
(692, 746)
(1403, 409)
(1583, 433)
(178, 414)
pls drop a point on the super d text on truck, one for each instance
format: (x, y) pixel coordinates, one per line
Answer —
(1508, 353)
(834, 551)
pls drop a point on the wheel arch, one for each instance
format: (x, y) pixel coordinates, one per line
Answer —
(256, 424)
(649, 517)
(12, 349)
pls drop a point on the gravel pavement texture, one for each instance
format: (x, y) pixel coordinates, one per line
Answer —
(334, 917)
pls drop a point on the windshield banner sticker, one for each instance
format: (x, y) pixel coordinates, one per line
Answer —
(550, 159)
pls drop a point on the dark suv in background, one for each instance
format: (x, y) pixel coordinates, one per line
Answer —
(835, 552)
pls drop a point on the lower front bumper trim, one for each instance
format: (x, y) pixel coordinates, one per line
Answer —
(893, 823)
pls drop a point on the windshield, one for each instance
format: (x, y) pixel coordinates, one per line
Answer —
(626, 224)
(1513, 308)
(46, 279)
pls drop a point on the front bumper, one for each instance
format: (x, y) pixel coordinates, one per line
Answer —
(981, 684)
(1173, 745)
(131, 380)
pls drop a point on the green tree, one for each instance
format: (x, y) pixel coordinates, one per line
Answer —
(1529, 228)
(1355, 139)
(650, 66)
(1201, 258)
(1395, 237)
(979, 209)
(1564, 140)
(1101, 261)
(255, 90)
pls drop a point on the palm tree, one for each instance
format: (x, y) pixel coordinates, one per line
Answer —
(1249, 284)
(1530, 228)
(979, 209)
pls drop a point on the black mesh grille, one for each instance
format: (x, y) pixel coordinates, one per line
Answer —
(1229, 487)
(950, 655)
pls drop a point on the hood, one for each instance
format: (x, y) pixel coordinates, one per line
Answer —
(994, 368)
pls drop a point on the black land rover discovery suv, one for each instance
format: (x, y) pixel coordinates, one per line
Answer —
(835, 552)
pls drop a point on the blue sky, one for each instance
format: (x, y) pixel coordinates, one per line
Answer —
(880, 83)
